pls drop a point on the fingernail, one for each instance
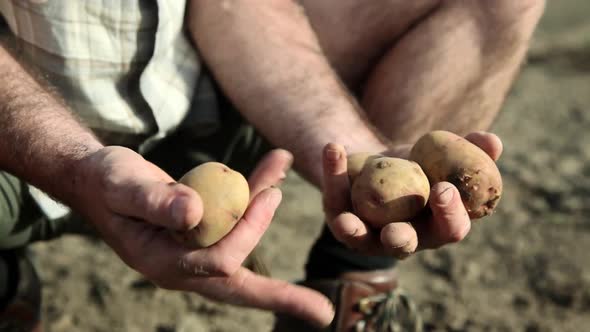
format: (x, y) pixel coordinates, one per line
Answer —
(332, 154)
(178, 209)
(289, 162)
(445, 196)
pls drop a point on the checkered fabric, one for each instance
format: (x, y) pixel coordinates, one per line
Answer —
(124, 66)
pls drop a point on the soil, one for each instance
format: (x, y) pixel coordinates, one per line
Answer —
(522, 269)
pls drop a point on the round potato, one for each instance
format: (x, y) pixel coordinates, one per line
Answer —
(225, 195)
(389, 190)
(445, 156)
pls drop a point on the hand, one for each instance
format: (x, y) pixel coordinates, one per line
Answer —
(134, 205)
(448, 221)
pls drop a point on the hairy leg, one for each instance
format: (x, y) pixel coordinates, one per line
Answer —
(354, 34)
(423, 65)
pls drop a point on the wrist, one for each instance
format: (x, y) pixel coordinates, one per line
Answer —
(309, 162)
(375, 147)
(399, 151)
(76, 170)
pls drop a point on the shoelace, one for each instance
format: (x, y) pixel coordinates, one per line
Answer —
(393, 311)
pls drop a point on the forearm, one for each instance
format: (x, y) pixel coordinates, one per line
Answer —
(268, 61)
(40, 141)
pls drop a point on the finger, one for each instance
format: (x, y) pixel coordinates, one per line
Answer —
(227, 255)
(251, 290)
(271, 171)
(149, 250)
(350, 230)
(399, 239)
(145, 249)
(449, 222)
(488, 142)
(335, 181)
(170, 205)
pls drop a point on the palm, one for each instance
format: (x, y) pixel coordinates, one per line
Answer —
(131, 205)
(447, 223)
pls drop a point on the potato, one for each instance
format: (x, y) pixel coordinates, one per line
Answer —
(225, 195)
(389, 190)
(356, 162)
(445, 156)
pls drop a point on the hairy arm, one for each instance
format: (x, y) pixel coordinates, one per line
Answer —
(40, 141)
(130, 200)
(269, 62)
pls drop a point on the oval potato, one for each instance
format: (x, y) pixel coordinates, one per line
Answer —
(445, 156)
(225, 194)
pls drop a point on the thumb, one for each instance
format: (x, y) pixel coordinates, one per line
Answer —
(488, 142)
(270, 171)
(170, 205)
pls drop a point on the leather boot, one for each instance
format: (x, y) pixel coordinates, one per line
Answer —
(364, 301)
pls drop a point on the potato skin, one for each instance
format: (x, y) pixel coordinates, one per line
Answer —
(225, 194)
(356, 162)
(445, 156)
(389, 190)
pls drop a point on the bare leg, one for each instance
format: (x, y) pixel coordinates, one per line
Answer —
(450, 68)
(354, 34)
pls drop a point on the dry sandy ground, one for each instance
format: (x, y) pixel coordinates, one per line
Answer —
(524, 269)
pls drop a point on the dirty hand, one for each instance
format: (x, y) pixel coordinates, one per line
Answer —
(447, 223)
(134, 205)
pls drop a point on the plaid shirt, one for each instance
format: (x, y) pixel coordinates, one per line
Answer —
(125, 67)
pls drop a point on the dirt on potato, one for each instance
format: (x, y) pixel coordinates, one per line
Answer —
(524, 269)
(445, 156)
